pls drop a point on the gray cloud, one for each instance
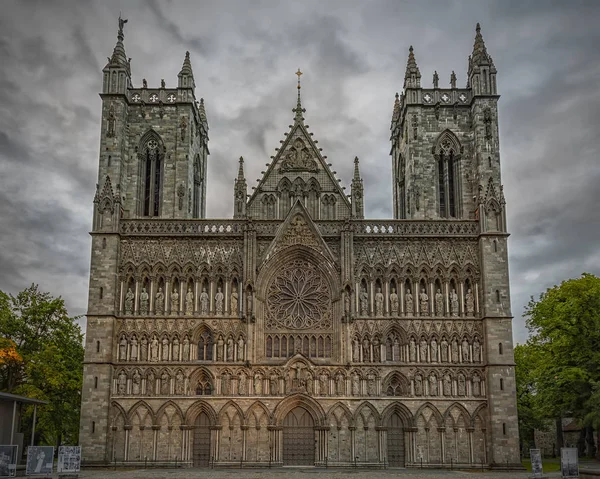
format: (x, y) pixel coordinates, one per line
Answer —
(353, 55)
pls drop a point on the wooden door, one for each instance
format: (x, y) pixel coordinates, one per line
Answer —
(298, 438)
(201, 452)
(395, 441)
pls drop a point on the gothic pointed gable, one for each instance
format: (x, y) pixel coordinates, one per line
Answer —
(299, 171)
(298, 229)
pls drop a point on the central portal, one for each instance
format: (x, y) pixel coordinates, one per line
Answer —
(298, 438)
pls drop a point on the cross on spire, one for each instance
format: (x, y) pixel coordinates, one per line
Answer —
(299, 110)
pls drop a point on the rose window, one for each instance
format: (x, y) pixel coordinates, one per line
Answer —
(298, 298)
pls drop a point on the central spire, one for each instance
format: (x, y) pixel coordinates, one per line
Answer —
(299, 110)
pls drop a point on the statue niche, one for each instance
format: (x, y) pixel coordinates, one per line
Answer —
(298, 158)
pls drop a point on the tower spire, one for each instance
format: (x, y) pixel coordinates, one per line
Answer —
(356, 170)
(186, 75)
(119, 57)
(482, 71)
(480, 55)
(412, 77)
(299, 110)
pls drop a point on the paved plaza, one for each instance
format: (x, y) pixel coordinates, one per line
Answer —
(296, 473)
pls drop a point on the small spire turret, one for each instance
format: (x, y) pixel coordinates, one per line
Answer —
(482, 71)
(186, 75)
(412, 77)
(240, 192)
(118, 64)
(357, 192)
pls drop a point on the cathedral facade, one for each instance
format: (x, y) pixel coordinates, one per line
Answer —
(298, 332)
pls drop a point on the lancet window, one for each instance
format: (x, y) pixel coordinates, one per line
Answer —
(151, 160)
(447, 154)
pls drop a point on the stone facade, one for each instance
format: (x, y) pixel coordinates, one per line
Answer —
(299, 332)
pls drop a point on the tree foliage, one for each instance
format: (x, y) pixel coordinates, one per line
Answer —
(558, 369)
(43, 348)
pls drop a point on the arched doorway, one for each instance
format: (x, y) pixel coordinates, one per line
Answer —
(298, 438)
(395, 441)
(201, 454)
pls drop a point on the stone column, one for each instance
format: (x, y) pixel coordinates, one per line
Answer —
(432, 299)
(386, 295)
(182, 293)
(352, 442)
(470, 431)
(211, 299)
(244, 428)
(155, 429)
(127, 428)
(401, 293)
(196, 295)
(372, 297)
(137, 297)
(167, 296)
(476, 293)
(122, 298)
(443, 443)
(151, 294)
(447, 297)
(461, 299)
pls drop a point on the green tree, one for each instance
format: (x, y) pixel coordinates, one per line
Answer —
(563, 351)
(50, 344)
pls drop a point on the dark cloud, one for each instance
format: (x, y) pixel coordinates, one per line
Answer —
(353, 54)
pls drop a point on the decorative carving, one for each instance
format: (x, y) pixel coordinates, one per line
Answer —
(133, 351)
(364, 302)
(122, 383)
(174, 301)
(144, 302)
(183, 127)
(412, 350)
(175, 349)
(230, 349)
(453, 303)
(355, 350)
(423, 349)
(371, 385)
(298, 298)
(234, 302)
(240, 351)
(447, 385)
(136, 383)
(164, 383)
(439, 303)
(476, 351)
(454, 350)
(462, 390)
(110, 129)
(434, 350)
(444, 349)
(476, 385)
(204, 300)
(379, 303)
(433, 385)
(470, 302)
(394, 303)
(186, 349)
(179, 383)
(465, 350)
(154, 349)
(220, 345)
(123, 349)
(165, 349)
(355, 385)
(298, 158)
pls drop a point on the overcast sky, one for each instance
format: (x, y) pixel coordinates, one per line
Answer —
(244, 55)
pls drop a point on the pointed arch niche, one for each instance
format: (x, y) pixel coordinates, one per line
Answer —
(447, 153)
(151, 155)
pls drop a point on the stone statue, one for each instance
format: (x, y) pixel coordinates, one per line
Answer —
(162, 83)
(220, 344)
(189, 302)
(439, 303)
(465, 350)
(476, 351)
(434, 351)
(470, 302)
(249, 303)
(165, 349)
(418, 385)
(123, 349)
(242, 384)
(409, 303)
(150, 383)
(366, 350)
(364, 302)
(174, 302)
(424, 303)
(257, 384)
(144, 349)
(394, 302)
(230, 349)
(355, 385)
(144, 83)
(154, 349)
(225, 385)
(376, 350)
(133, 351)
(234, 302)
(454, 350)
(122, 383)
(273, 385)
(347, 303)
(179, 383)
(240, 349)
(204, 302)
(339, 384)
(308, 384)
(423, 350)
(144, 302)
(371, 385)
(159, 302)
(355, 350)
(476, 385)
(112, 121)
(454, 303)
(129, 302)
(175, 349)
(379, 303)
(164, 383)
(447, 381)
(433, 385)
(412, 350)
(136, 384)
(186, 349)
(219, 301)
(462, 391)
(444, 349)
(323, 386)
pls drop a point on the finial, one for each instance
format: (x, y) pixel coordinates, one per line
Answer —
(436, 79)
(478, 28)
(299, 110)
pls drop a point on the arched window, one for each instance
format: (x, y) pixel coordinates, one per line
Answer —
(197, 194)
(205, 346)
(447, 154)
(151, 160)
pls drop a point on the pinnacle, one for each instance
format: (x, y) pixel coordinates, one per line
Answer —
(412, 76)
(241, 169)
(356, 170)
(119, 57)
(186, 68)
(480, 55)
(202, 111)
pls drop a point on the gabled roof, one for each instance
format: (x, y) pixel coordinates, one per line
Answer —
(294, 157)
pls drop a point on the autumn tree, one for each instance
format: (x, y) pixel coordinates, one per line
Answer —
(559, 366)
(41, 356)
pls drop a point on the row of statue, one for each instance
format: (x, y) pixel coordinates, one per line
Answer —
(204, 300)
(409, 303)
(373, 350)
(297, 380)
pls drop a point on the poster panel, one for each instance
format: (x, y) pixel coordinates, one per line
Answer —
(569, 462)
(39, 460)
(69, 459)
(536, 462)
(8, 461)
